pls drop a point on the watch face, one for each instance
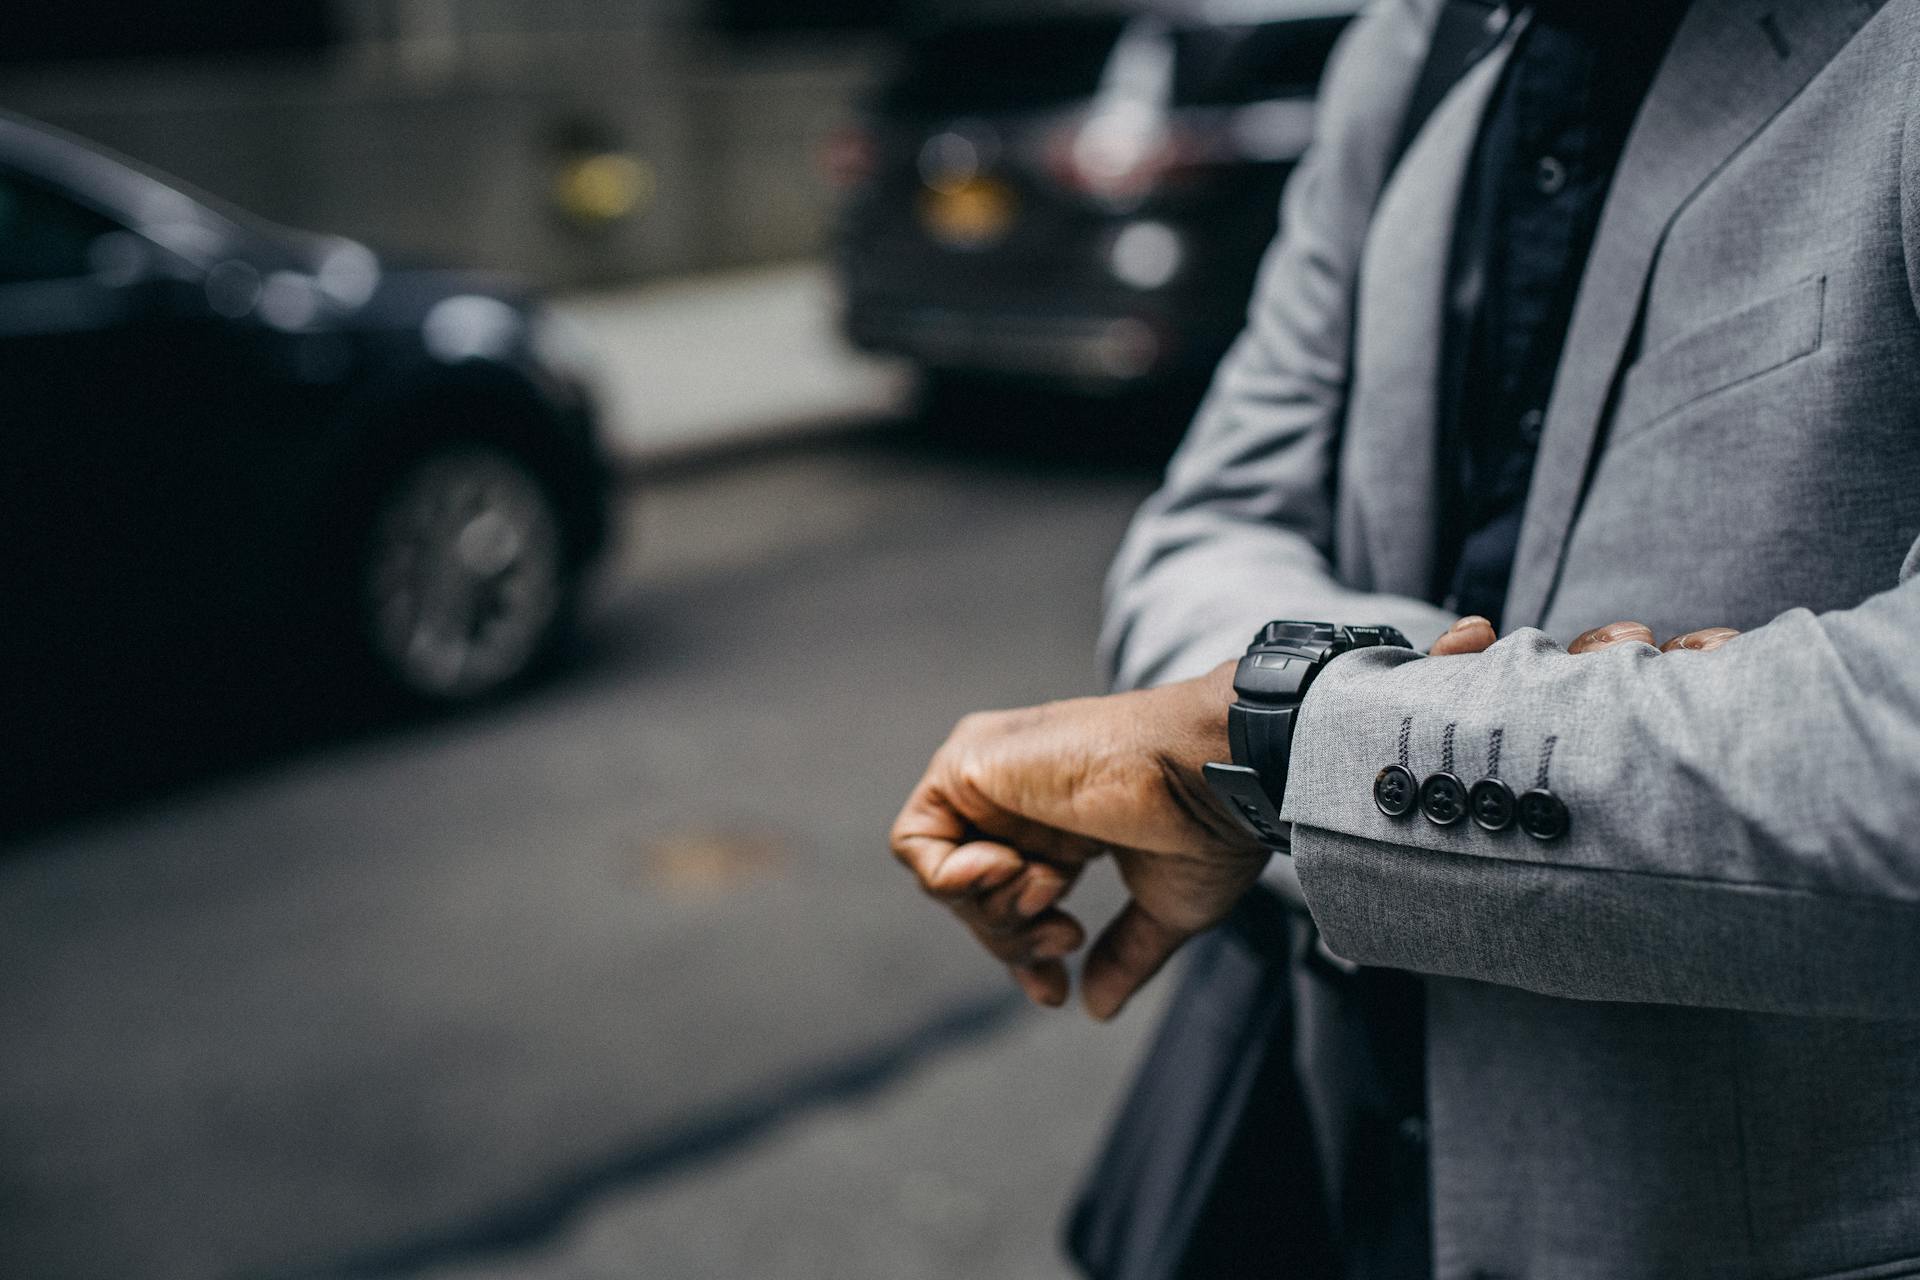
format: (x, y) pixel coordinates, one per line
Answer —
(1284, 633)
(1285, 657)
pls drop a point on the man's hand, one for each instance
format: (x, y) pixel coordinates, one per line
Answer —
(1471, 634)
(1615, 633)
(1475, 634)
(1018, 802)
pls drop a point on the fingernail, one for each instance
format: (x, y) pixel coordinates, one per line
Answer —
(1711, 638)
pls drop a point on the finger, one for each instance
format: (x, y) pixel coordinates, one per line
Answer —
(933, 822)
(1471, 634)
(1614, 633)
(1045, 983)
(1700, 641)
(1130, 950)
(1054, 935)
(925, 831)
(951, 870)
(1038, 886)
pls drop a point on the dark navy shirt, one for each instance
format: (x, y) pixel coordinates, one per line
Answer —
(1545, 156)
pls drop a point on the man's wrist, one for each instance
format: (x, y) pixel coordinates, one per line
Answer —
(1204, 705)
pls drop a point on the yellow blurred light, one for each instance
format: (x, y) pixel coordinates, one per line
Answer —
(603, 188)
(970, 214)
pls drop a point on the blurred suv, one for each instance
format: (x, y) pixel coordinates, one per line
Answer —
(1081, 198)
(230, 441)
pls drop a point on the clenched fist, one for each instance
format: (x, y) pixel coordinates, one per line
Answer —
(1017, 803)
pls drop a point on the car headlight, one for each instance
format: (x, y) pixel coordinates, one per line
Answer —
(470, 326)
(1146, 255)
(564, 348)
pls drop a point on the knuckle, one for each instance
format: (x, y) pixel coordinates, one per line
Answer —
(974, 724)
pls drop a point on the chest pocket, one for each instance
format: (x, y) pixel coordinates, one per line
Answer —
(1720, 355)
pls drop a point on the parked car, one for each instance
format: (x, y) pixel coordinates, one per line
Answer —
(226, 438)
(1082, 199)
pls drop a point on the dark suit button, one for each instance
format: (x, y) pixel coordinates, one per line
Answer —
(1393, 791)
(1542, 815)
(1491, 804)
(1443, 798)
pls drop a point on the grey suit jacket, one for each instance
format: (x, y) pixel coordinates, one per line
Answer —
(1683, 1040)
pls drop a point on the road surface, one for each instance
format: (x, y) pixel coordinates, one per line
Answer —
(613, 980)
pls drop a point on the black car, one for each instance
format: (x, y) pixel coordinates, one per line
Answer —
(226, 440)
(1080, 198)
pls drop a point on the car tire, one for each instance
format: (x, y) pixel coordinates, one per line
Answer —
(462, 580)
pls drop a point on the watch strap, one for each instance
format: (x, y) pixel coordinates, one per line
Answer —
(1269, 684)
(1241, 788)
(1261, 738)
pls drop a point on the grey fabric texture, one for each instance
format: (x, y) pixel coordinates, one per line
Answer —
(1245, 519)
(1683, 1040)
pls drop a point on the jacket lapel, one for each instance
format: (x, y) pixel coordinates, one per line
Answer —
(1389, 452)
(1733, 65)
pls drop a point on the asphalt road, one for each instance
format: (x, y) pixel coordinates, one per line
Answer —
(615, 979)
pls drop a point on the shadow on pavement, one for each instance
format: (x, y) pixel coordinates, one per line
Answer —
(542, 1212)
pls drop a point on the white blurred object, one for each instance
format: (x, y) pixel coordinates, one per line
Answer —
(1146, 255)
(721, 360)
(349, 273)
(470, 326)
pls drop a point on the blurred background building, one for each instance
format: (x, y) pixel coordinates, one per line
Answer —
(579, 142)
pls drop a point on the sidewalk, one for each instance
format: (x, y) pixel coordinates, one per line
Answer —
(712, 362)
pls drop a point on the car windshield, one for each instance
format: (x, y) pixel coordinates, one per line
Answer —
(188, 221)
(1234, 65)
(1035, 65)
(1006, 66)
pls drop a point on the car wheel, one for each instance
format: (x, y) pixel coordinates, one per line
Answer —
(463, 576)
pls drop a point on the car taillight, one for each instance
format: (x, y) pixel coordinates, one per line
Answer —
(1121, 157)
(848, 156)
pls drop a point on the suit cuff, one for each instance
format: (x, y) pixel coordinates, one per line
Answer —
(1375, 708)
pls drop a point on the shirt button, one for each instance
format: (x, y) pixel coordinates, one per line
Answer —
(1393, 791)
(1443, 799)
(1549, 176)
(1542, 814)
(1531, 424)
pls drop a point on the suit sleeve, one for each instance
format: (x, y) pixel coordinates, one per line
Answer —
(1744, 823)
(1242, 529)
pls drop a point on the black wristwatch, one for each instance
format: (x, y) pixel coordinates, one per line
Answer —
(1279, 667)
